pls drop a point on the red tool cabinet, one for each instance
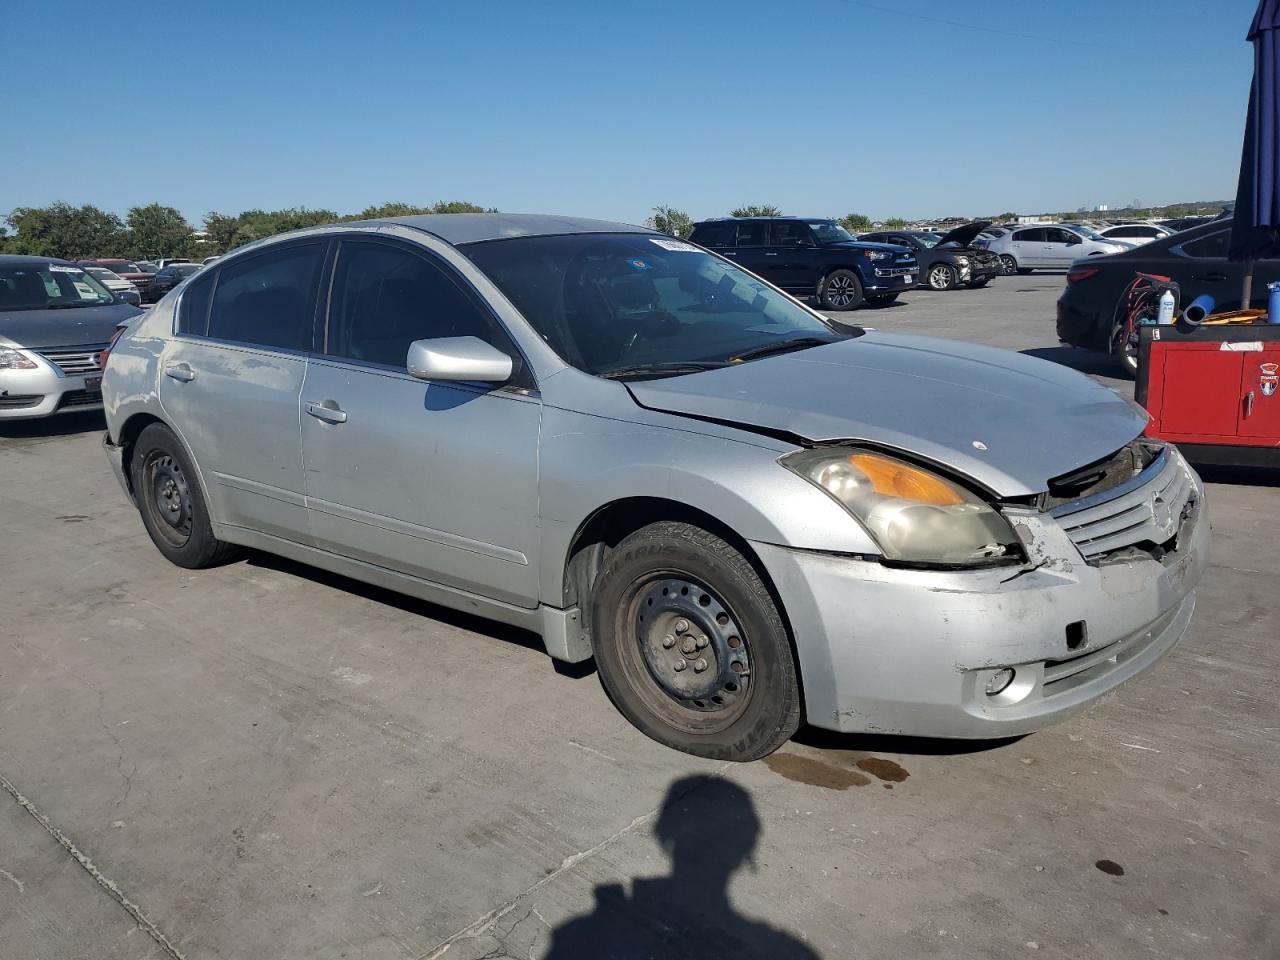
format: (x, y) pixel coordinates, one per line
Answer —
(1214, 390)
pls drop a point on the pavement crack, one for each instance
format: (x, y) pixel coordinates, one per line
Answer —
(106, 883)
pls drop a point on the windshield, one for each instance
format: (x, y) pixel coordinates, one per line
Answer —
(50, 287)
(607, 303)
(927, 240)
(145, 266)
(828, 231)
(185, 269)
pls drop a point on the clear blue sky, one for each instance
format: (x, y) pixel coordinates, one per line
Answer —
(606, 108)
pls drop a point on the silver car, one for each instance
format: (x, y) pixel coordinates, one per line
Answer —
(1046, 246)
(747, 514)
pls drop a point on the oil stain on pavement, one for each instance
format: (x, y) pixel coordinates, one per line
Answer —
(835, 776)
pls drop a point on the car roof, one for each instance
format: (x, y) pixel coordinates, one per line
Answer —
(459, 228)
(19, 260)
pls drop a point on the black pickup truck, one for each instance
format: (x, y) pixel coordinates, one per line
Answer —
(811, 256)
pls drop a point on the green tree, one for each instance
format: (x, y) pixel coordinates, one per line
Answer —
(855, 222)
(391, 210)
(895, 223)
(672, 222)
(761, 210)
(459, 206)
(220, 229)
(61, 230)
(158, 231)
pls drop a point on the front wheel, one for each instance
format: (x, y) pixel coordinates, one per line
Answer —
(171, 502)
(941, 276)
(1008, 264)
(840, 290)
(691, 647)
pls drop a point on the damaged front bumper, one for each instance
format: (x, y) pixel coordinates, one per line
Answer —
(890, 650)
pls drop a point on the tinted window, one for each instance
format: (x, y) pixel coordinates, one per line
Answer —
(874, 238)
(268, 299)
(714, 235)
(789, 233)
(1123, 232)
(1213, 246)
(1029, 236)
(193, 312)
(385, 297)
(751, 233)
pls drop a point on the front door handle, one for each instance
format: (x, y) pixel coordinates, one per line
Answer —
(179, 371)
(770, 254)
(327, 410)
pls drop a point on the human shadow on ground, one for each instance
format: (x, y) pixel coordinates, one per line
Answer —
(709, 828)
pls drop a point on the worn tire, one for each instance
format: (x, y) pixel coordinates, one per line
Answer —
(840, 290)
(941, 276)
(766, 710)
(172, 505)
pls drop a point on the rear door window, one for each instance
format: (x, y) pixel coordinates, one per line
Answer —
(1035, 235)
(713, 235)
(751, 234)
(193, 311)
(269, 299)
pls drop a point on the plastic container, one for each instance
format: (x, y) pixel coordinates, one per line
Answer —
(1273, 302)
(1168, 304)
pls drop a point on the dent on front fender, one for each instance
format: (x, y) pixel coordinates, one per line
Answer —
(588, 462)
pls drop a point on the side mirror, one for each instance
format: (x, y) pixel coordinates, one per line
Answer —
(458, 358)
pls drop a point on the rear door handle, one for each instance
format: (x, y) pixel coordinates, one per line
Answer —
(327, 410)
(179, 371)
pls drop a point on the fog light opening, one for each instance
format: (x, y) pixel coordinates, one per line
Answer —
(999, 681)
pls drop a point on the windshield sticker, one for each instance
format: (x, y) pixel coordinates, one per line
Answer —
(86, 292)
(640, 265)
(678, 246)
(59, 268)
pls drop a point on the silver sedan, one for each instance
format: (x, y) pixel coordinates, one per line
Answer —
(747, 514)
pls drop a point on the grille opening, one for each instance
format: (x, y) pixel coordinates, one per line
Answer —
(1102, 475)
(1077, 634)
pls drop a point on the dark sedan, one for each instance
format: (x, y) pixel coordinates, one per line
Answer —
(169, 277)
(946, 260)
(1196, 259)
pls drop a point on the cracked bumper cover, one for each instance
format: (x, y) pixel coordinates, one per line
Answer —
(885, 650)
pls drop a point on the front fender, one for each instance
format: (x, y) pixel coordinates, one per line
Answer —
(588, 462)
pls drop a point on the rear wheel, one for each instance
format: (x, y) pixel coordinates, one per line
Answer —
(691, 647)
(1126, 348)
(840, 290)
(941, 276)
(171, 502)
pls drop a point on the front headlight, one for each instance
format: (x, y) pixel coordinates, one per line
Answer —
(877, 255)
(962, 261)
(11, 359)
(913, 515)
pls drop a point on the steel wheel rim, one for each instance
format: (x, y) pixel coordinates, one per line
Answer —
(840, 291)
(939, 277)
(688, 643)
(168, 498)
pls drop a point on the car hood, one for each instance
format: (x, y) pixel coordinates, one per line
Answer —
(964, 235)
(1009, 422)
(38, 329)
(863, 245)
